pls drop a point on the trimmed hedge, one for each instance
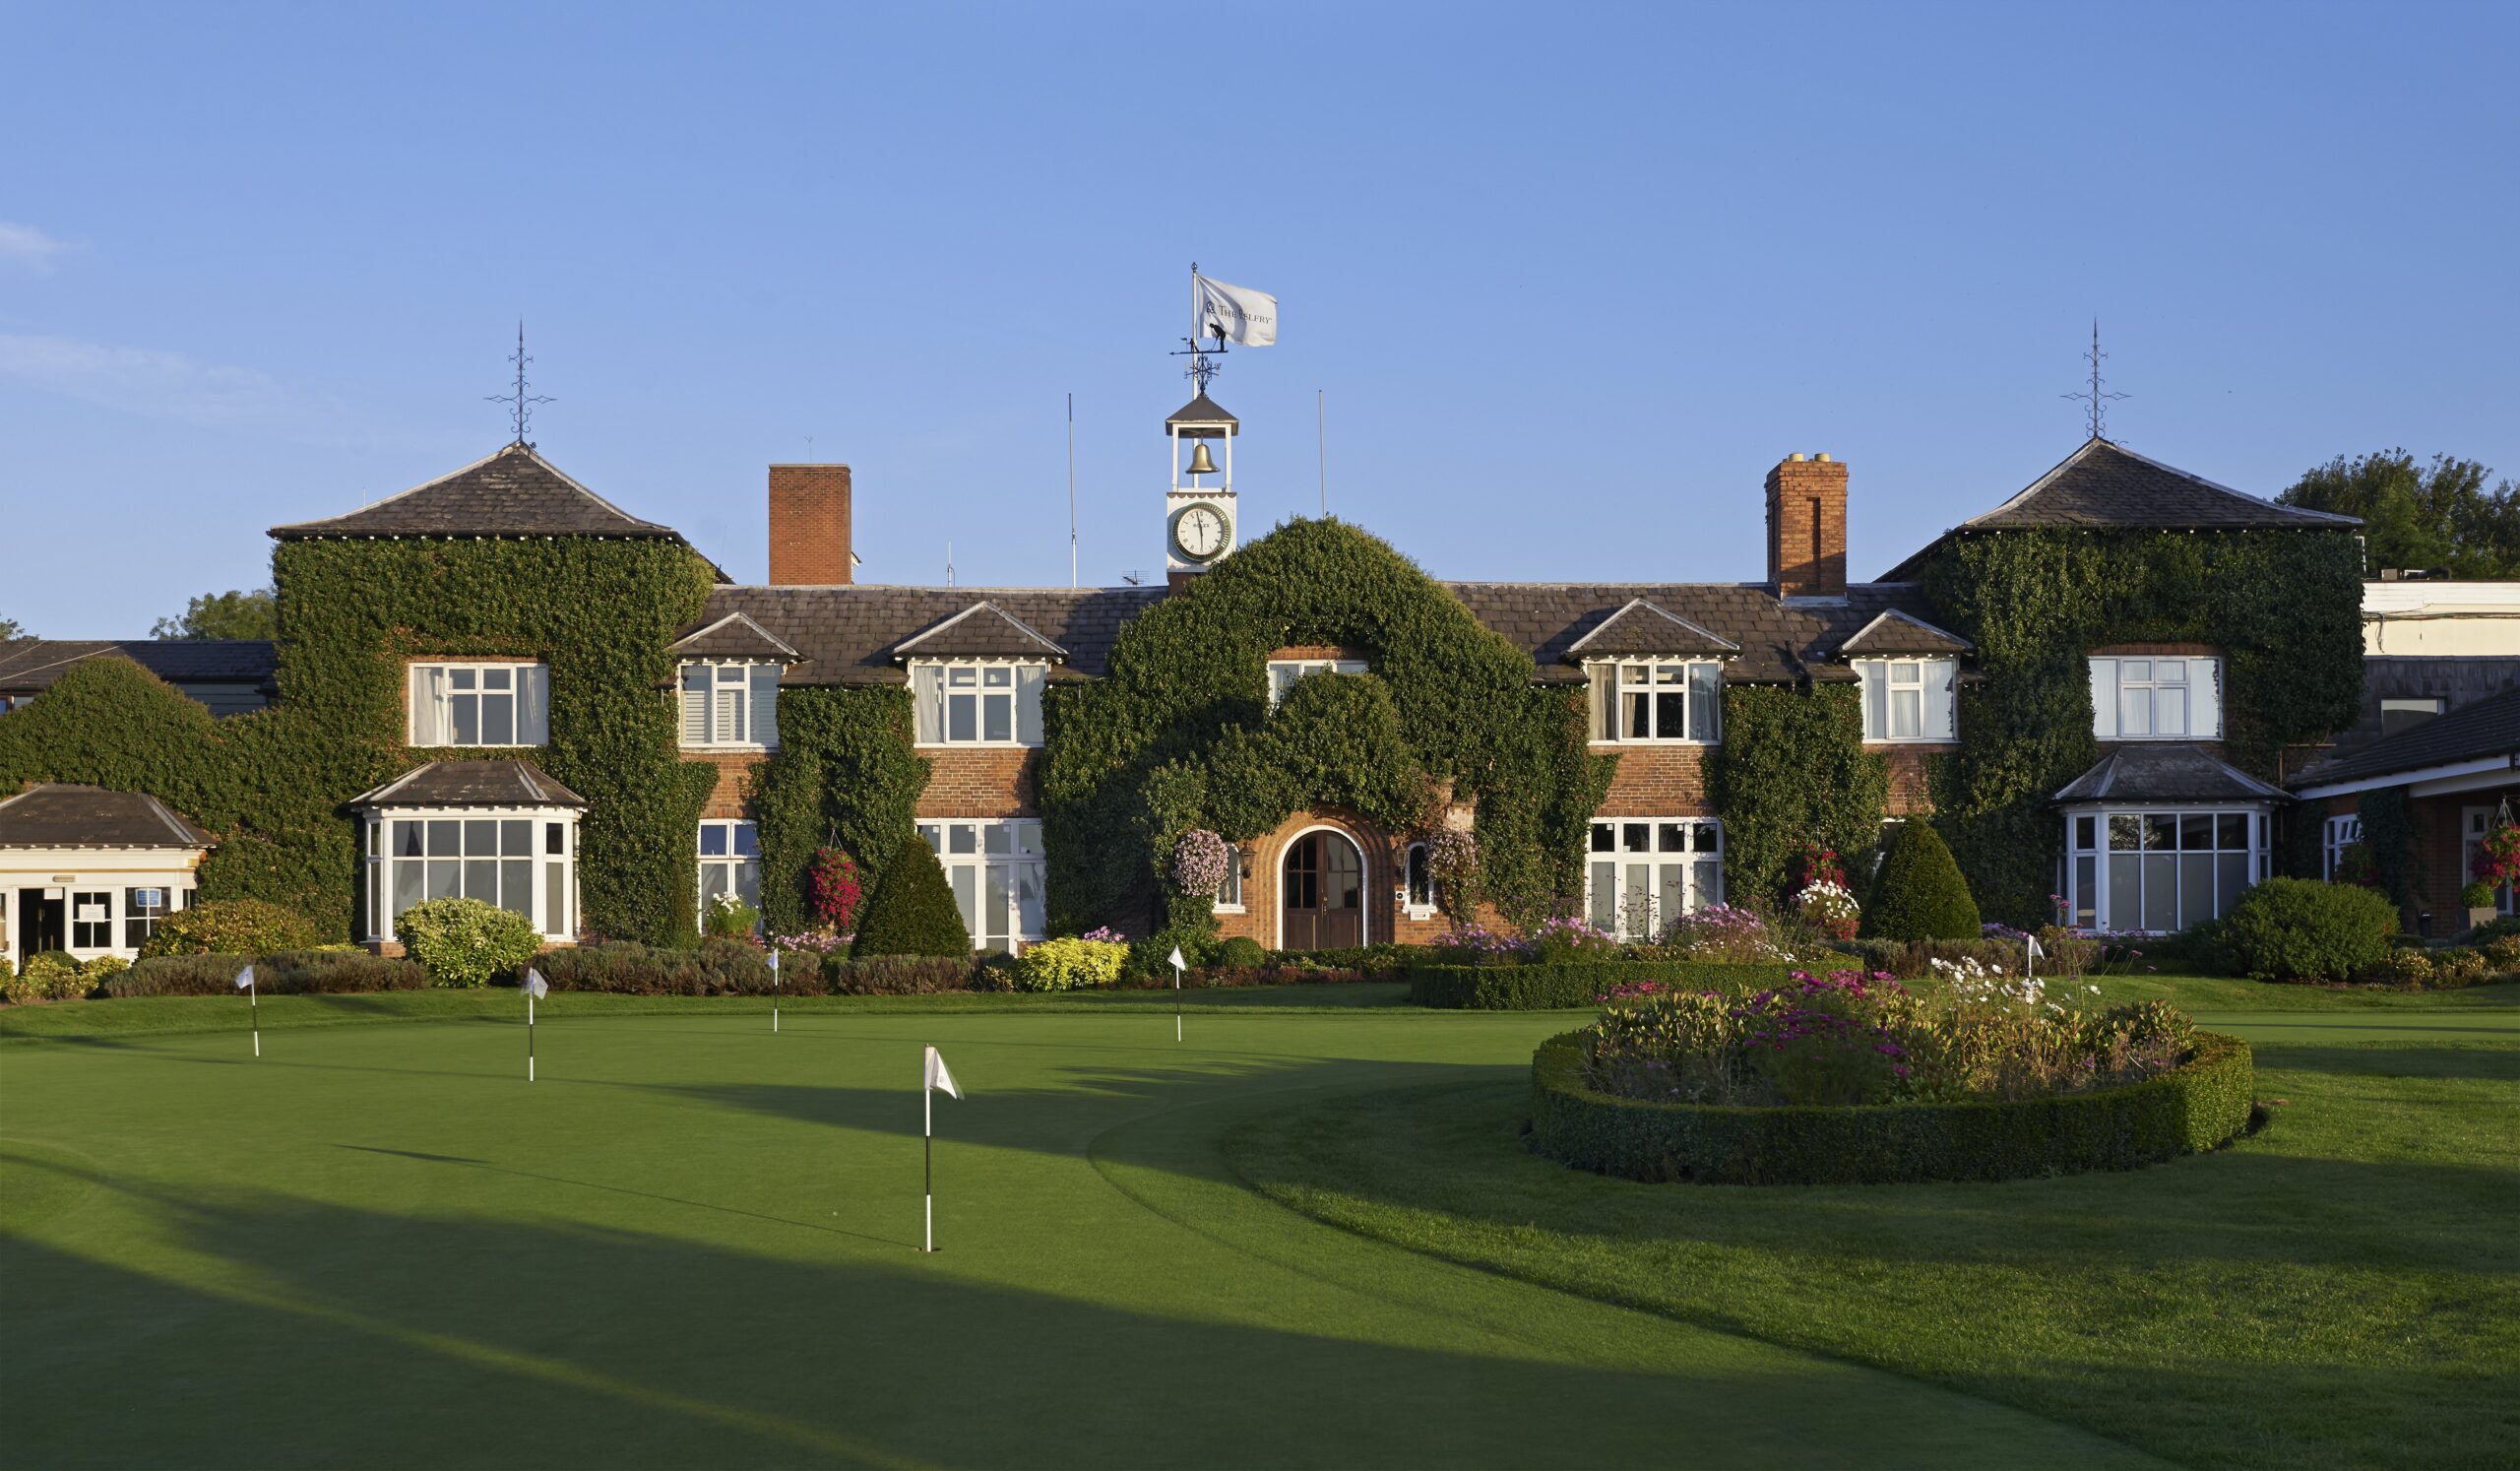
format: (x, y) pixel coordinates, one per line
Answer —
(2199, 1106)
(732, 968)
(1573, 983)
(1918, 894)
(910, 910)
(289, 973)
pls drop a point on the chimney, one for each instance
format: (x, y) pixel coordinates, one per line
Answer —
(809, 526)
(1807, 528)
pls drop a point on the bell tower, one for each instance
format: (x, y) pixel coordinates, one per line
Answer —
(1201, 521)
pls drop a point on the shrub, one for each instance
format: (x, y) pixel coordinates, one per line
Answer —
(340, 972)
(1069, 964)
(728, 916)
(1561, 938)
(2302, 929)
(464, 943)
(229, 926)
(714, 968)
(1918, 894)
(1241, 953)
(1386, 962)
(833, 889)
(1151, 958)
(897, 975)
(1725, 932)
(911, 910)
(16, 988)
(103, 967)
(1553, 987)
(52, 976)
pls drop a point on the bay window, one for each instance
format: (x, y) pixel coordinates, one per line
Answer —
(1656, 700)
(1645, 873)
(1908, 699)
(2154, 697)
(995, 871)
(977, 702)
(730, 703)
(2160, 871)
(501, 704)
(518, 859)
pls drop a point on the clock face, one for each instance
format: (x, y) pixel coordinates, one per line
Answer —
(1199, 533)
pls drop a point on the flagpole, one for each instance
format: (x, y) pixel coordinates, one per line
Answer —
(254, 1007)
(529, 1034)
(1071, 489)
(927, 1160)
(774, 991)
(1321, 449)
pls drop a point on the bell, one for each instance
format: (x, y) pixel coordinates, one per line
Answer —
(1200, 463)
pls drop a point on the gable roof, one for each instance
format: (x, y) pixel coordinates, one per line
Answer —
(2104, 484)
(504, 782)
(983, 631)
(59, 814)
(1641, 627)
(735, 636)
(28, 665)
(853, 634)
(2155, 771)
(2488, 730)
(1897, 632)
(1778, 640)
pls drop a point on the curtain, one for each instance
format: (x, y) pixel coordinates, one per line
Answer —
(428, 704)
(1029, 679)
(1939, 721)
(1706, 702)
(1603, 678)
(532, 704)
(765, 704)
(1875, 677)
(2103, 698)
(928, 700)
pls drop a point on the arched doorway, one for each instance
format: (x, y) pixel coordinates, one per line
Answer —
(1322, 893)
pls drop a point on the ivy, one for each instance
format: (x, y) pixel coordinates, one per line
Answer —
(2388, 834)
(2283, 607)
(1793, 773)
(844, 776)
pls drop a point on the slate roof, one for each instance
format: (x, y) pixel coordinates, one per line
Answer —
(1641, 627)
(55, 814)
(848, 635)
(1899, 632)
(982, 630)
(2105, 484)
(2172, 771)
(1201, 410)
(511, 782)
(734, 636)
(1779, 640)
(31, 664)
(2487, 728)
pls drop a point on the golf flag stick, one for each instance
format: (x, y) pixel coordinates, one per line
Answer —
(534, 986)
(2031, 962)
(931, 1076)
(773, 992)
(253, 1004)
(1178, 966)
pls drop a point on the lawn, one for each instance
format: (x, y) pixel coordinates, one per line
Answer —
(694, 1242)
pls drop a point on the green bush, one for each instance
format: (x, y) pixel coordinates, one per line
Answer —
(2302, 929)
(1151, 958)
(899, 975)
(340, 972)
(464, 943)
(229, 926)
(1386, 962)
(1557, 988)
(16, 988)
(2196, 1108)
(49, 975)
(911, 910)
(1069, 964)
(1241, 953)
(712, 968)
(728, 916)
(1918, 893)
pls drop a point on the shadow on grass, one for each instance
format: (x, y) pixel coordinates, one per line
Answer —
(2394, 1059)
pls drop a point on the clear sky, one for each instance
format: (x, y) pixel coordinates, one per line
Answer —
(1571, 276)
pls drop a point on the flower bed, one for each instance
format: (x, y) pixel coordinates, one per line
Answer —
(1547, 987)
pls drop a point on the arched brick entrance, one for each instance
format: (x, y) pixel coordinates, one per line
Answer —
(1321, 892)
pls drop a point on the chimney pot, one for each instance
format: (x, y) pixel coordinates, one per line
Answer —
(809, 526)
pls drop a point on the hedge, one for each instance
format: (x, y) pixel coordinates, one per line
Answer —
(2195, 1107)
(732, 968)
(284, 974)
(1573, 983)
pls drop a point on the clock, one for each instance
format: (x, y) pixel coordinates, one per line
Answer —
(1199, 533)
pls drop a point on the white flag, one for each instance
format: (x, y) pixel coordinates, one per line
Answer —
(2035, 952)
(934, 1074)
(245, 978)
(1178, 963)
(535, 985)
(1236, 313)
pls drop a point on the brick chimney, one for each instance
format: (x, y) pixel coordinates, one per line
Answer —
(809, 524)
(1807, 528)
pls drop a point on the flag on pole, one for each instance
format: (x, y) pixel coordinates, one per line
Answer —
(245, 978)
(1178, 966)
(931, 1076)
(934, 1075)
(2035, 952)
(1236, 313)
(535, 985)
(253, 1004)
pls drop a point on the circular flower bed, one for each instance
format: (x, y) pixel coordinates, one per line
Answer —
(1851, 1079)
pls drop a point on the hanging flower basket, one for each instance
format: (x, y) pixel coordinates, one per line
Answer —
(1199, 859)
(2497, 859)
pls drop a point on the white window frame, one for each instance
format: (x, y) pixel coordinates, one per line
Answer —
(944, 691)
(551, 877)
(439, 689)
(170, 900)
(1667, 869)
(2425, 707)
(2092, 853)
(2338, 834)
(1621, 689)
(727, 711)
(1417, 882)
(994, 869)
(1283, 673)
(2146, 680)
(1895, 687)
(729, 866)
(1230, 888)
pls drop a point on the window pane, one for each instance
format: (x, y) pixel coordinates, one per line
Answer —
(2136, 671)
(1672, 837)
(748, 883)
(962, 678)
(2161, 891)
(2171, 670)
(481, 837)
(2124, 831)
(2086, 892)
(1604, 837)
(2195, 889)
(961, 837)
(515, 886)
(1028, 837)
(2124, 889)
(747, 840)
(498, 677)
(2134, 712)
(1638, 723)
(1907, 713)
(406, 839)
(998, 910)
(446, 878)
(516, 838)
(2232, 869)
(1028, 897)
(2160, 833)
(1605, 896)
(467, 710)
(712, 840)
(446, 837)
(407, 878)
(997, 676)
(1636, 837)
(481, 879)
(555, 899)
(966, 896)
(1674, 898)
(2230, 830)
(2196, 831)
(712, 882)
(1706, 702)
(2086, 832)
(461, 679)
(962, 717)
(1710, 883)
(1636, 902)
(997, 712)
(2169, 712)
(1710, 837)
(552, 841)
(1670, 715)
(998, 839)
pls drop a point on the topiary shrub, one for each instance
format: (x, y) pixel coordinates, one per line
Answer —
(1918, 894)
(464, 943)
(229, 926)
(911, 910)
(1069, 964)
(1241, 953)
(2302, 929)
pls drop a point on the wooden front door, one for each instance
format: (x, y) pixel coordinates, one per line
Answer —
(1321, 895)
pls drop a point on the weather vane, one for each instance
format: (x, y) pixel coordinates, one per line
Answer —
(1203, 365)
(2094, 401)
(520, 403)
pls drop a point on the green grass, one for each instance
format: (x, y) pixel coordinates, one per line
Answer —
(694, 1242)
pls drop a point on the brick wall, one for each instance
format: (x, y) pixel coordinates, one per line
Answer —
(726, 798)
(984, 781)
(1655, 781)
(1807, 528)
(808, 525)
(1383, 857)
(1907, 791)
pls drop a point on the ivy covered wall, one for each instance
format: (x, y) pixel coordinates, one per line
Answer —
(1792, 771)
(844, 776)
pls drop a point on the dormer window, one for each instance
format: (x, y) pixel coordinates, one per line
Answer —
(729, 704)
(1908, 699)
(1283, 673)
(1659, 701)
(978, 702)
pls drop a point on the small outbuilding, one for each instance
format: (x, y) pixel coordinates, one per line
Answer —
(91, 871)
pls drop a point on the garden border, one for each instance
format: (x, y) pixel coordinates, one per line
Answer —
(1571, 984)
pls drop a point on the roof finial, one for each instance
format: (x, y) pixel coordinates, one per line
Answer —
(2094, 401)
(520, 403)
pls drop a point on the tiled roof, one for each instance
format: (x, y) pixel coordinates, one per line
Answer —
(734, 636)
(2148, 771)
(1896, 632)
(2105, 484)
(848, 635)
(31, 664)
(1640, 627)
(1201, 410)
(1779, 640)
(2490, 728)
(52, 815)
(508, 782)
(982, 630)
(515, 492)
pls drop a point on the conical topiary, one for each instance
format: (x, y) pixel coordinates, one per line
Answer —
(911, 910)
(1918, 893)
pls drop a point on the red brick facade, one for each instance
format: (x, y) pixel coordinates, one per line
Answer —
(979, 781)
(1909, 791)
(1807, 528)
(1386, 919)
(734, 772)
(809, 524)
(1655, 781)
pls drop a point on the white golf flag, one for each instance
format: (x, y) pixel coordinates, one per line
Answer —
(934, 1074)
(535, 985)
(2035, 952)
(1236, 313)
(1177, 962)
(245, 978)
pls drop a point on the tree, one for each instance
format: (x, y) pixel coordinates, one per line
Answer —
(2433, 516)
(11, 631)
(229, 614)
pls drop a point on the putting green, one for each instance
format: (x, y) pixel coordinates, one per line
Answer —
(692, 1242)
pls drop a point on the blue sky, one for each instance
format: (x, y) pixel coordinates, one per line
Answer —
(1570, 276)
